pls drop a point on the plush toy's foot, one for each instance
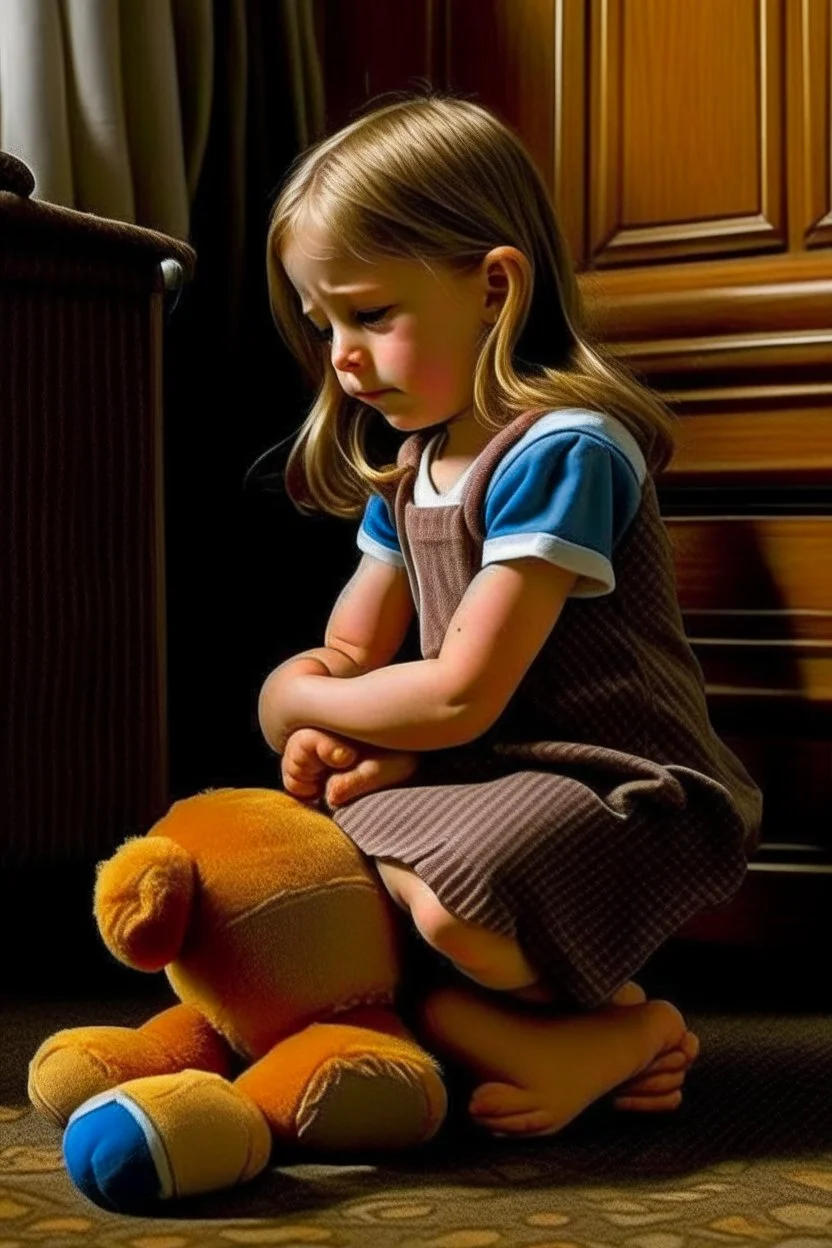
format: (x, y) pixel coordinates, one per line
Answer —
(362, 1082)
(164, 1137)
(78, 1063)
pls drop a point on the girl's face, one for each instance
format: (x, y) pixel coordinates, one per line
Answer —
(397, 328)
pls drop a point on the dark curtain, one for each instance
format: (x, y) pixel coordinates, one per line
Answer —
(250, 581)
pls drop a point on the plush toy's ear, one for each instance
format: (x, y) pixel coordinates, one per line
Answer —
(143, 900)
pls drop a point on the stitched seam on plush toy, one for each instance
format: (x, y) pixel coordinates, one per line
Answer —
(155, 1143)
(300, 895)
(381, 996)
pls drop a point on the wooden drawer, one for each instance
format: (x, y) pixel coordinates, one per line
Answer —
(756, 598)
(763, 445)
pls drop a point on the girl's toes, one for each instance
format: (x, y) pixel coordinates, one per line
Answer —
(539, 1122)
(630, 993)
(689, 1044)
(671, 1081)
(674, 1060)
(680, 1057)
(676, 1063)
(493, 1099)
(505, 1109)
(672, 1063)
(658, 1104)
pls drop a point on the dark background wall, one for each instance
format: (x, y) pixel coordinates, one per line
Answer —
(249, 580)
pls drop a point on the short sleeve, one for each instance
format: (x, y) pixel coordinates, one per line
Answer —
(567, 497)
(377, 533)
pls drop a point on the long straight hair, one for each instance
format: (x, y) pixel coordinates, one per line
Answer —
(440, 180)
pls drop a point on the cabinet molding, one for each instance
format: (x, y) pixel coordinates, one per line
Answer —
(742, 351)
(810, 122)
(662, 187)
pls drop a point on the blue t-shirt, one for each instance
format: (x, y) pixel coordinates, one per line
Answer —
(565, 492)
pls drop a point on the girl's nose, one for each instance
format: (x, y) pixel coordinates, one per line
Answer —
(346, 355)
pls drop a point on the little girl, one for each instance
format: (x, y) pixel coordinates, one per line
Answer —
(542, 790)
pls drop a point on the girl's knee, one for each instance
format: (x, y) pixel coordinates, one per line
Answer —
(403, 884)
(491, 959)
(441, 929)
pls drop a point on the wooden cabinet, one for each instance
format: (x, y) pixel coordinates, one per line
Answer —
(688, 147)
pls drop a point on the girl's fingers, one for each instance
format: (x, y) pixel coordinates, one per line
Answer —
(311, 756)
(301, 769)
(310, 752)
(381, 772)
(335, 753)
(302, 790)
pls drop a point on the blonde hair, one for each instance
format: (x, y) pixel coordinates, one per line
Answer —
(437, 178)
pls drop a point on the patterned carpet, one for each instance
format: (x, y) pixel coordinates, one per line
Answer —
(747, 1160)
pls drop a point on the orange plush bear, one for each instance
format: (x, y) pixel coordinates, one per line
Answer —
(285, 952)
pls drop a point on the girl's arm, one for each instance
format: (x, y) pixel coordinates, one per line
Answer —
(507, 613)
(365, 630)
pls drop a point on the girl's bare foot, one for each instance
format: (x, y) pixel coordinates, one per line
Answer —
(630, 993)
(659, 1087)
(656, 1089)
(539, 1071)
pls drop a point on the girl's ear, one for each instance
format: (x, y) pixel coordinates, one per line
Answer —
(502, 267)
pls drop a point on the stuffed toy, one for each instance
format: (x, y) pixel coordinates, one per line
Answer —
(286, 954)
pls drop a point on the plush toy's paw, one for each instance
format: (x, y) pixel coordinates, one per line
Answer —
(164, 1137)
(74, 1065)
(344, 1086)
(371, 1103)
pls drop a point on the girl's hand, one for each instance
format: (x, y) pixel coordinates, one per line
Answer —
(375, 768)
(318, 764)
(310, 755)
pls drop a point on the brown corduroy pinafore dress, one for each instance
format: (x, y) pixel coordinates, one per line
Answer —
(600, 811)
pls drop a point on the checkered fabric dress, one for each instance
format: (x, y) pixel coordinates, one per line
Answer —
(601, 811)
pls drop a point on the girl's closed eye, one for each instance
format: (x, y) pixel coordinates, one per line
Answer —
(370, 316)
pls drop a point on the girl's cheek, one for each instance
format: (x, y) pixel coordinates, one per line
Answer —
(438, 372)
(396, 358)
(437, 380)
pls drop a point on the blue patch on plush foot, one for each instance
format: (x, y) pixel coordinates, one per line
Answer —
(108, 1159)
